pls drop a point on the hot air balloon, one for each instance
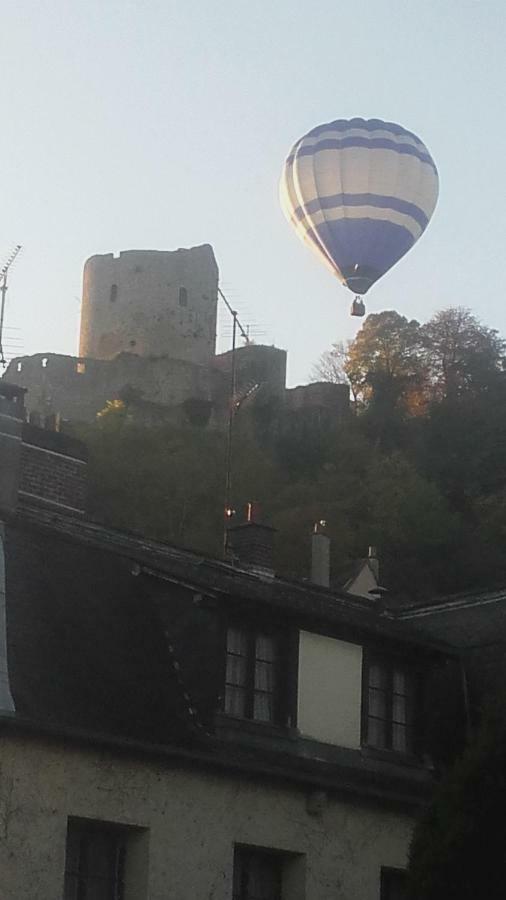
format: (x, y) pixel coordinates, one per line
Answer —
(360, 192)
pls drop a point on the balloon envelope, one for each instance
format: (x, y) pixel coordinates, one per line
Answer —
(359, 192)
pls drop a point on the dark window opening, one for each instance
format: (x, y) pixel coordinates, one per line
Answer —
(257, 874)
(389, 706)
(393, 884)
(252, 677)
(132, 343)
(95, 862)
(183, 296)
(114, 293)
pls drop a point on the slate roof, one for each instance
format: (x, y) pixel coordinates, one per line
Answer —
(463, 621)
(115, 636)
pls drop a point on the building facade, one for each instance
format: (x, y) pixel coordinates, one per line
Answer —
(180, 727)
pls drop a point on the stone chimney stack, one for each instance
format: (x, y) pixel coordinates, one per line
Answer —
(320, 556)
(251, 542)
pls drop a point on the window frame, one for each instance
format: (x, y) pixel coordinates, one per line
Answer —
(284, 696)
(389, 664)
(386, 874)
(84, 830)
(243, 856)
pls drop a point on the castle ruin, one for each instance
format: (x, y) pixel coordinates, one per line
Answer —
(148, 337)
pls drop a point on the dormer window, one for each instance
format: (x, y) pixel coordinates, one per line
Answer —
(388, 705)
(251, 680)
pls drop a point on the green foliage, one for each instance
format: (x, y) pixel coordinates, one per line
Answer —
(457, 852)
(420, 471)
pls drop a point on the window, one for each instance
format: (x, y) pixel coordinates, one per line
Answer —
(114, 293)
(81, 367)
(251, 680)
(393, 884)
(388, 701)
(257, 874)
(44, 362)
(95, 861)
(183, 296)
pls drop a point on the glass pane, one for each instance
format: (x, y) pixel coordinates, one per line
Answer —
(376, 733)
(399, 682)
(399, 709)
(237, 641)
(257, 875)
(377, 703)
(399, 738)
(264, 676)
(377, 677)
(265, 647)
(263, 707)
(393, 885)
(235, 700)
(236, 669)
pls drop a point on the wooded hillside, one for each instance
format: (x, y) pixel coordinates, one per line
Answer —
(418, 468)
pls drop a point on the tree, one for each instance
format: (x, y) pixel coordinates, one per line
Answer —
(384, 362)
(457, 852)
(461, 354)
(331, 365)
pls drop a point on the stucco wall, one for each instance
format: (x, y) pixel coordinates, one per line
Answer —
(330, 685)
(192, 820)
(131, 303)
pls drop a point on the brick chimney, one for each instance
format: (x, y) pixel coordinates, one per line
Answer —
(38, 466)
(251, 542)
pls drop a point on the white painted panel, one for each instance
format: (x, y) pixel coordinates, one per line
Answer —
(330, 689)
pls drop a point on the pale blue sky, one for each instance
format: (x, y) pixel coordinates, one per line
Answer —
(165, 124)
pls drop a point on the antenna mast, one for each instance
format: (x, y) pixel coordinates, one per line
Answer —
(3, 290)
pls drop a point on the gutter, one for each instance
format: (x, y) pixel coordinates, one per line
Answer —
(205, 758)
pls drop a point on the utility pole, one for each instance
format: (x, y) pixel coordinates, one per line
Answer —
(3, 291)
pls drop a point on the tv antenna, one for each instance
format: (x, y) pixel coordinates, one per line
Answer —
(3, 291)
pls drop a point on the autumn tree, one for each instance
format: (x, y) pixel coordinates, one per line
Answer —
(461, 355)
(385, 357)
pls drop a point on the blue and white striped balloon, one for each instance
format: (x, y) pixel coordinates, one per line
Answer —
(360, 193)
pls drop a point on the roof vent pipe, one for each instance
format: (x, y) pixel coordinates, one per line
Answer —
(320, 555)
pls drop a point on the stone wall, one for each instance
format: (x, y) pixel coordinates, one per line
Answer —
(152, 303)
(183, 824)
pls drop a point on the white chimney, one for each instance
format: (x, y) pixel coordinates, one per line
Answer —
(320, 556)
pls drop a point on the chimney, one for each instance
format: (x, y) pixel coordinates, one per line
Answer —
(12, 414)
(251, 542)
(320, 556)
(372, 556)
(38, 466)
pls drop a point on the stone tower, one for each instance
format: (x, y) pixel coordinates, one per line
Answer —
(151, 303)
